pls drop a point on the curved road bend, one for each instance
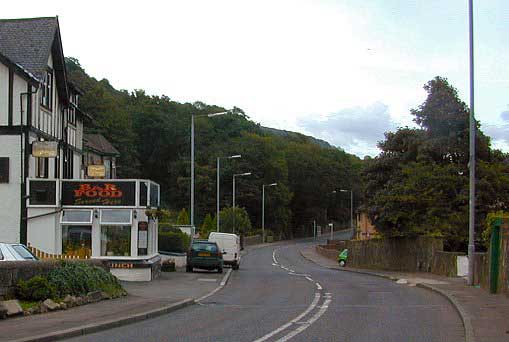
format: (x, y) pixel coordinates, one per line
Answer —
(277, 295)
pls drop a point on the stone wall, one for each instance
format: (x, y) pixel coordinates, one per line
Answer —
(13, 271)
(252, 240)
(445, 263)
(394, 254)
(327, 252)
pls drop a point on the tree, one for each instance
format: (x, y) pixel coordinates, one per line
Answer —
(418, 184)
(207, 226)
(183, 218)
(234, 220)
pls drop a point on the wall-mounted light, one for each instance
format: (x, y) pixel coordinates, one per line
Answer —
(135, 214)
(96, 213)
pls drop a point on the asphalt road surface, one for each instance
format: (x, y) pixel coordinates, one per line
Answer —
(277, 295)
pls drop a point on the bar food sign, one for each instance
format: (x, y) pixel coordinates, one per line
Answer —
(95, 193)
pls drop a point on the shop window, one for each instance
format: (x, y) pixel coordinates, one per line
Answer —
(118, 216)
(115, 240)
(77, 241)
(76, 217)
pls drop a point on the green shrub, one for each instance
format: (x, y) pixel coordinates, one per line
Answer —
(77, 279)
(36, 289)
(173, 242)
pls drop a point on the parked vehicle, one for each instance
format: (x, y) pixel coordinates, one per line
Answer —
(342, 256)
(205, 255)
(15, 252)
(229, 244)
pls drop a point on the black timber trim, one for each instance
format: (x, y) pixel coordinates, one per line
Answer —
(10, 99)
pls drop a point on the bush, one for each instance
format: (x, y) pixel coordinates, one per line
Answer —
(177, 242)
(77, 279)
(36, 289)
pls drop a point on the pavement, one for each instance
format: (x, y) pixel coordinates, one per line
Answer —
(172, 291)
(485, 316)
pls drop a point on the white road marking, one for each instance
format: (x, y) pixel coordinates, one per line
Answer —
(310, 279)
(274, 256)
(305, 325)
(221, 285)
(295, 320)
(318, 286)
(207, 279)
(299, 274)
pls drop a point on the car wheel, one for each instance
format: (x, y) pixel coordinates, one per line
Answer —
(236, 266)
(189, 269)
(342, 263)
(219, 270)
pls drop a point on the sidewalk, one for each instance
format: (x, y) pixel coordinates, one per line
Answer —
(485, 316)
(145, 299)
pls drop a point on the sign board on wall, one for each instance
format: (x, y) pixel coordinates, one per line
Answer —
(98, 193)
(98, 171)
(45, 149)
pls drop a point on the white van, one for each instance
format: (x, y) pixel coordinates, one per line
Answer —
(229, 244)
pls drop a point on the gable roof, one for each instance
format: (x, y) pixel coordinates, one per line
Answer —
(99, 144)
(29, 42)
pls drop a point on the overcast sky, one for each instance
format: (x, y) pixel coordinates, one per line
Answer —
(344, 71)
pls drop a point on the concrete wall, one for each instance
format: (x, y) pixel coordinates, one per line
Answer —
(10, 192)
(11, 272)
(482, 271)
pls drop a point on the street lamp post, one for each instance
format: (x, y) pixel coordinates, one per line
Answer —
(263, 208)
(192, 158)
(234, 176)
(218, 166)
(472, 131)
(351, 206)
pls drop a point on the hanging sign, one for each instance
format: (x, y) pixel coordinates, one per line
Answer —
(98, 193)
(98, 171)
(45, 149)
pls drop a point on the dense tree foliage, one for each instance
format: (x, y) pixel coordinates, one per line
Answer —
(153, 135)
(418, 185)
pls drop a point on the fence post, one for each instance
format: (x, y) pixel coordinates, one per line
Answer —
(494, 255)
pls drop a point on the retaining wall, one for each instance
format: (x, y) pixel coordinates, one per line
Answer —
(11, 272)
(252, 240)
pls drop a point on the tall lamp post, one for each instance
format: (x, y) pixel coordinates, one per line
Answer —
(472, 131)
(192, 157)
(218, 166)
(235, 176)
(351, 206)
(263, 208)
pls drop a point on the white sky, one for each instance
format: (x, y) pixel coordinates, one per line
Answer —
(344, 71)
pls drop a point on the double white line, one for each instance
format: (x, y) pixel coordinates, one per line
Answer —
(298, 323)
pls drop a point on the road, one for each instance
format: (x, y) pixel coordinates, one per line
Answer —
(279, 295)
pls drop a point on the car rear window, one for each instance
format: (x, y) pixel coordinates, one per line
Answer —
(23, 252)
(207, 247)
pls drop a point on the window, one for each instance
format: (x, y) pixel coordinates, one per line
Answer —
(23, 252)
(115, 240)
(76, 216)
(68, 164)
(46, 98)
(204, 247)
(116, 217)
(77, 240)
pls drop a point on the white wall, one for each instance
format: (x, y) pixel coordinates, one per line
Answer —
(42, 231)
(19, 86)
(4, 95)
(10, 192)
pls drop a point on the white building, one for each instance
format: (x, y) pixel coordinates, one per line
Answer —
(44, 199)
